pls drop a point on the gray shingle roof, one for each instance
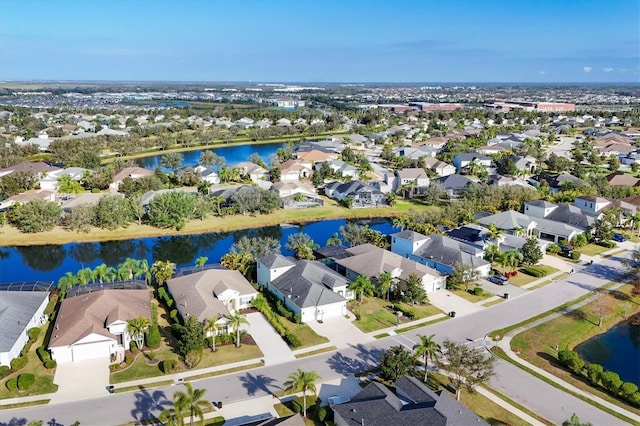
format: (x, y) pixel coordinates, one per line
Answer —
(16, 311)
(310, 284)
(447, 251)
(507, 220)
(454, 182)
(410, 236)
(275, 261)
(412, 404)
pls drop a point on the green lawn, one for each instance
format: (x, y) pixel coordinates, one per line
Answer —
(592, 249)
(44, 380)
(537, 345)
(307, 336)
(523, 279)
(472, 297)
(375, 313)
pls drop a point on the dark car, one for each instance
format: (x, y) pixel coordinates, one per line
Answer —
(619, 238)
(566, 249)
(498, 279)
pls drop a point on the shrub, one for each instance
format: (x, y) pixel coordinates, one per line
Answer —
(553, 248)
(153, 337)
(133, 347)
(594, 371)
(298, 318)
(18, 363)
(607, 244)
(192, 359)
(575, 255)
(128, 359)
(12, 384)
(168, 366)
(50, 364)
(611, 381)
(43, 354)
(292, 340)
(4, 369)
(174, 315)
(406, 312)
(628, 389)
(114, 367)
(33, 333)
(534, 272)
(25, 381)
(322, 414)
(477, 291)
(571, 360)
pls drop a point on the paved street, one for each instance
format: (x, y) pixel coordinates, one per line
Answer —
(523, 388)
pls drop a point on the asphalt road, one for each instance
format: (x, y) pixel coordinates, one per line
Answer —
(544, 399)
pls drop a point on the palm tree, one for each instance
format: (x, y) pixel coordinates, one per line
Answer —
(136, 328)
(211, 330)
(492, 252)
(143, 270)
(191, 402)
(126, 269)
(428, 349)
(512, 258)
(495, 234)
(242, 262)
(162, 270)
(362, 286)
(217, 200)
(200, 261)
(334, 240)
(102, 273)
(519, 231)
(635, 222)
(172, 416)
(66, 282)
(385, 282)
(235, 321)
(84, 275)
(302, 381)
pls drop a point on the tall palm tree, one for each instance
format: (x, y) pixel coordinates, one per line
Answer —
(635, 222)
(362, 286)
(143, 270)
(66, 282)
(192, 403)
(211, 330)
(103, 273)
(428, 349)
(495, 234)
(236, 321)
(84, 275)
(162, 270)
(126, 269)
(519, 231)
(385, 282)
(512, 258)
(136, 328)
(302, 381)
(492, 252)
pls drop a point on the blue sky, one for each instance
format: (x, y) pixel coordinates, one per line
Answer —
(321, 40)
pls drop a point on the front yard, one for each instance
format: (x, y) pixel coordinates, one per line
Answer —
(375, 313)
(523, 278)
(593, 249)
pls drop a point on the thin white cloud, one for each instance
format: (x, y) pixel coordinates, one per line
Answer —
(587, 69)
(607, 69)
(541, 72)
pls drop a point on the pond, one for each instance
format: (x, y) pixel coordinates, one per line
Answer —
(50, 262)
(233, 154)
(616, 350)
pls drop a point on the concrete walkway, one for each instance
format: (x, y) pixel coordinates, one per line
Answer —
(274, 349)
(505, 344)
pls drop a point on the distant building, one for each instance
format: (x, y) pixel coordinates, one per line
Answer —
(428, 107)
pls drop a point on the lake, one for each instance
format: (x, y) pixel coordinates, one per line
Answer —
(233, 154)
(50, 262)
(616, 350)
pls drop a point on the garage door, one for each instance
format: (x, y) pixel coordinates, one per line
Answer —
(91, 351)
(329, 311)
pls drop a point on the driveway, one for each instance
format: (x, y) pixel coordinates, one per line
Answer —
(274, 349)
(340, 331)
(81, 380)
(500, 290)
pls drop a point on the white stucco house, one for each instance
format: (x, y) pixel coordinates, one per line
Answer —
(94, 325)
(307, 288)
(19, 312)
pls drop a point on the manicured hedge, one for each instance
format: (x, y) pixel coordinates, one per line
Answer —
(43, 354)
(153, 337)
(168, 366)
(607, 244)
(33, 333)
(25, 381)
(51, 364)
(12, 384)
(534, 271)
(19, 363)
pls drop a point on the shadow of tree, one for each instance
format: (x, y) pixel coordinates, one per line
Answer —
(553, 361)
(15, 422)
(147, 402)
(257, 383)
(365, 359)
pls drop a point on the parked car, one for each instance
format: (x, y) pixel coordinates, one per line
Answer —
(498, 279)
(619, 238)
(566, 249)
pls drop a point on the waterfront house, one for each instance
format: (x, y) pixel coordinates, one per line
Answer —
(19, 312)
(362, 194)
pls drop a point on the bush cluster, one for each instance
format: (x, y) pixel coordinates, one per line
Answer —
(608, 380)
(50, 364)
(169, 366)
(153, 337)
(33, 333)
(262, 304)
(25, 381)
(164, 296)
(43, 354)
(575, 255)
(19, 363)
(406, 312)
(534, 271)
(607, 244)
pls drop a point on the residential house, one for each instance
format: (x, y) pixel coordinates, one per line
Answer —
(212, 293)
(297, 195)
(94, 325)
(557, 182)
(25, 197)
(622, 179)
(511, 221)
(39, 169)
(50, 181)
(439, 167)
(499, 180)
(478, 236)
(308, 288)
(256, 173)
(362, 194)
(316, 155)
(491, 149)
(462, 161)
(438, 252)
(128, 172)
(414, 180)
(557, 222)
(410, 402)
(207, 174)
(592, 204)
(454, 184)
(615, 149)
(294, 170)
(370, 261)
(85, 199)
(19, 312)
(340, 168)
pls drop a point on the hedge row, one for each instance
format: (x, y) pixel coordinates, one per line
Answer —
(607, 244)
(608, 380)
(262, 305)
(534, 271)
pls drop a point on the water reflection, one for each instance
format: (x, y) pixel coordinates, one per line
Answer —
(43, 258)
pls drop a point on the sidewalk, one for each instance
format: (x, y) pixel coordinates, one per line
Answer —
(505, 344)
